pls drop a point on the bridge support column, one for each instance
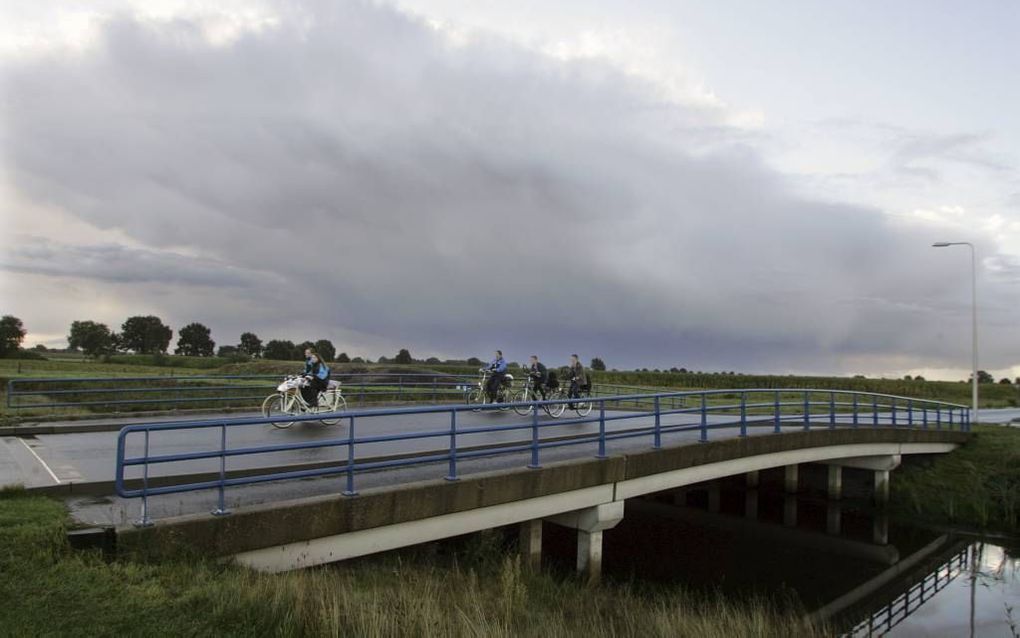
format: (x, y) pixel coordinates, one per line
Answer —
(790, 511)
(833, 518)
(530, 542)
(881, 487)
(590, 523)
(751, 504)
(714, 497)
(835, 482)
(880, 530)
(752, 479)
(791, 479)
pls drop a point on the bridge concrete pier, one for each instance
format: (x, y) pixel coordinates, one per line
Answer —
(882, 487)
(751, 504)
(530, 543)
(790, 511)
(714, 497)
(752, 479)
(791, 478)
(590, 523)
(835, 487)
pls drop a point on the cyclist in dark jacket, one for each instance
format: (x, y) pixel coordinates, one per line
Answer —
(317, 374)
(539, 375)
(578, 378)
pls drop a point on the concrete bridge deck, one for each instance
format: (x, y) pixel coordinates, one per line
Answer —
(586, 494)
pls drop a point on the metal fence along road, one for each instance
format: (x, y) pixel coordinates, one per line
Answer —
(699, 413)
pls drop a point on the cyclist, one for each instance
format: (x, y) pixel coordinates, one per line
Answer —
(578, 378)
(539, 376)
(317, 374)
(497, 370)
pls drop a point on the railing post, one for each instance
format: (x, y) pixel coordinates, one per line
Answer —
(704, 418)
(855, 411)
(658, 425)
(951, 418)
(743, 414)
(832, 410)
(777, 428)
(874, 411)
(452, 475)
(10, 392)
(433, 388)
(894, 412)
(145, 521)
(938, 417)
(807, 411)
(350, 491)
(534, 441)
(602, 429)
(924, 416)
(910, 413)
(221, 509)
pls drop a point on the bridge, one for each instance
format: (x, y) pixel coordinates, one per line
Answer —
(392, 477)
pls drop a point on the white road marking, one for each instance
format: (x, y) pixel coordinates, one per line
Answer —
(39, 458)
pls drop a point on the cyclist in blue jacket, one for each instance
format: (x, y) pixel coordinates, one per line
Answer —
(317, 373)
(497, 370)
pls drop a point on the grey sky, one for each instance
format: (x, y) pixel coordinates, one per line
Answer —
(456, 177)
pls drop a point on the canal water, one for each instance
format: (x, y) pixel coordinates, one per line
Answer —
(843, 563)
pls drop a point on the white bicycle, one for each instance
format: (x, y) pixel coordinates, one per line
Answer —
(287, 400)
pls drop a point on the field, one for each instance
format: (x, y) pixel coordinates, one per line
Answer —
(386, 386)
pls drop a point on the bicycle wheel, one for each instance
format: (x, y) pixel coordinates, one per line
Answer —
(583, 405)
(475, 397)
(339, 404)
(273, 406)
(555, 410)
(523, 396)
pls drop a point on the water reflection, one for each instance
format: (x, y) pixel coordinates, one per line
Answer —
(853, 568)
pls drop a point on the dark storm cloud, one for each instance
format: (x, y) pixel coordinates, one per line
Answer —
(354, 167)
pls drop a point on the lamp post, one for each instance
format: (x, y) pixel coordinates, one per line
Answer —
(974, 321)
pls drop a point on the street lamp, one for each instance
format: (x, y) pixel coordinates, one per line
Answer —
(974, 324)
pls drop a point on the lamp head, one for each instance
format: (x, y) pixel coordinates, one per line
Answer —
(941, 244)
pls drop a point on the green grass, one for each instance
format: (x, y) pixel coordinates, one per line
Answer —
(977, 485)
(48, 590)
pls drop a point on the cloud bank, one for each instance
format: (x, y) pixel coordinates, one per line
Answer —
(351, 172)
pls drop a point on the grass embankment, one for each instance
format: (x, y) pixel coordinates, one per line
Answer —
(48, 590)
(977, 485)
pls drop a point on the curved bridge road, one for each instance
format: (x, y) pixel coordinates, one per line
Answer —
(72, 462)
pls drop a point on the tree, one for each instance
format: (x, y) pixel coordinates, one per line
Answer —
(919, 378)
(281, 350)
(474, 361)
(1005, 381)
(433, 361)
(403, 357)
(194, 341)
(382, 360)
(907, 377)
(597, 364)
(145, 335)
(12, 333)
(357, 360)
(91, 338)
(250, 345)
(343, 358)
(325, 349)
(984, 377)
(228, 351)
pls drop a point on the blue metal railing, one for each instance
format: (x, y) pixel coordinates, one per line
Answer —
(712, 410)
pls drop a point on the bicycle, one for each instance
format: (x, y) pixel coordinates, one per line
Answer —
(288, 401)
(480, 396)
(529, 393)
(582, 407)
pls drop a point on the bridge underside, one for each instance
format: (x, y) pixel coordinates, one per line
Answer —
(587, 495)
